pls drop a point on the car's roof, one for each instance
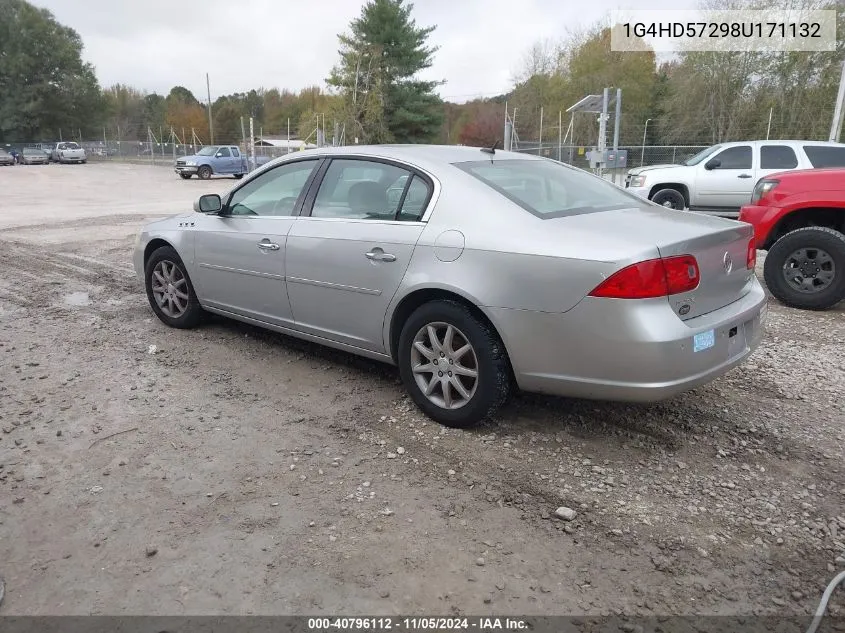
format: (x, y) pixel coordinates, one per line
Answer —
(782, 142)
(433, 154)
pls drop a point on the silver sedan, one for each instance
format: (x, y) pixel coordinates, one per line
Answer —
(475, 271)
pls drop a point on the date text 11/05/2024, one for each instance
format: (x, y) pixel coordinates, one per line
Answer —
(417, 624)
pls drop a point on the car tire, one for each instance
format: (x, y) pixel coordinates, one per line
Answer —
(182, 310)
(204, 172)
(670, 198)
(84, 161)
(238, 176)
(795, 268)
(486, 357)
(185, 176)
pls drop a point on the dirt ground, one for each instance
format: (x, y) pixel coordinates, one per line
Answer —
(237, 471)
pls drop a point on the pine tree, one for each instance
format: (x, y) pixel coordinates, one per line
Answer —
(380, 58)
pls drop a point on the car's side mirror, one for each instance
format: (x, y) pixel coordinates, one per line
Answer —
(208, 203)
(218, 155)
(713, 163)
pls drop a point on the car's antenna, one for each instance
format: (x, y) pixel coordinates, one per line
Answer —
(491, 150)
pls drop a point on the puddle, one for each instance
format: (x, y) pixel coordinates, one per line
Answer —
(77, 299)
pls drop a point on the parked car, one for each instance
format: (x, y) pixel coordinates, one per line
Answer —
(495, 266)
(799, 218)
(213, 159)
(6, 159)
(34, 156)
(14, 152)
(68, 152)
(720, 179)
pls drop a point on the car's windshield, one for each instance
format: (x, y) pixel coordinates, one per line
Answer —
(29, 150)
(701, 155)
(211, 150)
(71, 146)
(549, 189)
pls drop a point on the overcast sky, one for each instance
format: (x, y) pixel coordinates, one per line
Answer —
(243, 44)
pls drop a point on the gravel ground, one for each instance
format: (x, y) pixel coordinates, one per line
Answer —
(229, 470)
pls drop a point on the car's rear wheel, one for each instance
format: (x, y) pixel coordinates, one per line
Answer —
(670, 198)
(204, 172)
(170, 291)
(453, 364)
(185, 176)
(806, 268)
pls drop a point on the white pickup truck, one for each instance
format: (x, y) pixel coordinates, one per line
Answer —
(68, 152)
(720, 179)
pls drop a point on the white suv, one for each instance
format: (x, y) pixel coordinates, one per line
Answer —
(720, 179)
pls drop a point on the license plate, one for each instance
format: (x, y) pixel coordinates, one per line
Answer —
(703, 340)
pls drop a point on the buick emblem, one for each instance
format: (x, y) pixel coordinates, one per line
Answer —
(728, 263)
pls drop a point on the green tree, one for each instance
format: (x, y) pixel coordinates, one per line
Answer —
(45, 87)
(380, 59)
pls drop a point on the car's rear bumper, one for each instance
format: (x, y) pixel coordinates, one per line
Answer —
(616, 349)
(72, 159)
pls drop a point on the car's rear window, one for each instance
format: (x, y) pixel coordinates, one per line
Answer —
(547, 188)
(825, 155)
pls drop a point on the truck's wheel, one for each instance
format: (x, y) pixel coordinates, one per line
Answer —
(670, 198)
(238, 176)
(204, 172)
(185, 176)
(806, 268)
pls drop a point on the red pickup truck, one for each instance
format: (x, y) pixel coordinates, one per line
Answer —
(799, 218)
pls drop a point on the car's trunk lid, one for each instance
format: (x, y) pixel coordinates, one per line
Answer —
(719, 246)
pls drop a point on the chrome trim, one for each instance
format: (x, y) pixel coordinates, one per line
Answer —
(241, 271)
(326, 284)
(364, 220)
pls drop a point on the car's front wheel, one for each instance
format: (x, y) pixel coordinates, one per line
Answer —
(204, 172)
(170, 291)
(670, 198)
(238, 176)
(185, 176)
(806, 268)
(453, 364)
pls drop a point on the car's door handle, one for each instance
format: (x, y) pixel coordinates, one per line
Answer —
(268, 246)
(380, 256)
(744, 176)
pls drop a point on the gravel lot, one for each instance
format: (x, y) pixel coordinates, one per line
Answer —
(237, 471)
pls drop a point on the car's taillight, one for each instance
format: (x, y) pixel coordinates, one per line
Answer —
(751, 256)
(651, 278)
(761, 189)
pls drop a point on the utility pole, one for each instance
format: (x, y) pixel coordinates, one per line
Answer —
(559, 133)
(246, 147)
(210, 121)
(540, 148)
(836, 124)
(288, 152)
(252, 140)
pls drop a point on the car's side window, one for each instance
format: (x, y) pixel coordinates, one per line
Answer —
(778, 157)
(416, 199)
(224, 152)
(235, 152)
(734, 158)
(367, 190)
(825, 155)
(273, 193)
